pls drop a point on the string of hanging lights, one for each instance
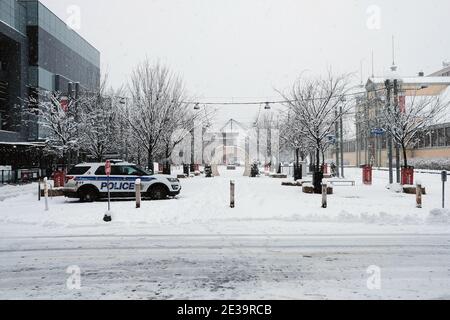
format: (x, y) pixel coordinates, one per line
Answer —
(268, 104)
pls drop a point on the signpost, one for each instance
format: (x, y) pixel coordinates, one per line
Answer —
(46, 193)
(107, 217)
(444, 180)
(108, 173)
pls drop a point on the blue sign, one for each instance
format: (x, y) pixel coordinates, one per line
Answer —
(378, 131)
(331, 139)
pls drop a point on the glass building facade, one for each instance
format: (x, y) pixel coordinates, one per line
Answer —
(38, 51)
(14, 14)
(57, 50)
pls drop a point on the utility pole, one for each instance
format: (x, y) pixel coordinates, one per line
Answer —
(397, 147)
(389, 137)
(336, 129)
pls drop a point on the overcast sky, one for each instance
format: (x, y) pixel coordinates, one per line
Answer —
(246, 48)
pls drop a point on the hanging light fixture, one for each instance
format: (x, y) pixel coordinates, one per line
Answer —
(197, 106)
(267, 107)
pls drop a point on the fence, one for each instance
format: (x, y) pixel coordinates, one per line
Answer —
(288, 170)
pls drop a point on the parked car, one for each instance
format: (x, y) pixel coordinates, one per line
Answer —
(89, 182)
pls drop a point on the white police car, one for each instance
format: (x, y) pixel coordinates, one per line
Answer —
(88, 182)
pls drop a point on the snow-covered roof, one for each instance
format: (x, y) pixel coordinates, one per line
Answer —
(445, 70)
(414, 80)
(444, 99)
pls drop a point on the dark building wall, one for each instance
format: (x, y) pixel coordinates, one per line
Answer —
(38, 52)
(53, 56)
(14, 55)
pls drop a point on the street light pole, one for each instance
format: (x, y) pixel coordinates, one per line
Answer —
(397, 147)
(336, 129)
(388, 103)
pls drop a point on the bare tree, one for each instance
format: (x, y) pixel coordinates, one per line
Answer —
(267, 123)
(292, 138)
(404, 125)
(314, 105)
(157, 94)
(57, 120)
(99, 123)
(183, 121)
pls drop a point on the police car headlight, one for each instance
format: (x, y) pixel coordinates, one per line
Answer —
(173, 180)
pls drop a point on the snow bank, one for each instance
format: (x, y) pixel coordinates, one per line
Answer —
(439, 216)
(12, 191)
(205, 202)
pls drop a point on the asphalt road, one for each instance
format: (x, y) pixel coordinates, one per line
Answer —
(351, 266)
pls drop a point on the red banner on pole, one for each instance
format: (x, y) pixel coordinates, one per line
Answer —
(108, 168)
(64, 104)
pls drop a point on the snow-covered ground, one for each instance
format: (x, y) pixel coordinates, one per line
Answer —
(276, 243)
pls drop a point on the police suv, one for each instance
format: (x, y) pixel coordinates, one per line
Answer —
(89, 182)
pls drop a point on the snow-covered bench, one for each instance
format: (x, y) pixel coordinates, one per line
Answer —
(343, 182)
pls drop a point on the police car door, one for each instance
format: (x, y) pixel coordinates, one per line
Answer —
(128, 180)
(134, 172)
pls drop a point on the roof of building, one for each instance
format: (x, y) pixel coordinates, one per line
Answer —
(445, 70)
(413, 80)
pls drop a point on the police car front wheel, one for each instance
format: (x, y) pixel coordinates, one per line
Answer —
(158, 192)
(88, 194)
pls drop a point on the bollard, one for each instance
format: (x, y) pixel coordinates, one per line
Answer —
(324, 195)
(419, 195)
(232, 193)
(444, 180)
(46, 193)
(39, 190)
(138, 193)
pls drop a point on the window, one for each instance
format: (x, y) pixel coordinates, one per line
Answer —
(100, 171)
(447, 134)
(131, 171)
(420, 140)
(78, 171)
(434, 138)
(427, 142)
(383, 142)
(441, 137)
(122, 171)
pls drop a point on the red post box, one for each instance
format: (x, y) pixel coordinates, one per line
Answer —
(325, 168)
(408, 176)
(367, 175)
